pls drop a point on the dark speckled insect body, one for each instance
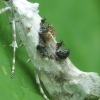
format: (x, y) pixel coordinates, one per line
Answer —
(41, 47)
(63, 54)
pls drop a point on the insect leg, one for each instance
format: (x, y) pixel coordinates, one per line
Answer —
(28, 60)
(40, 87)
(14, 45)
(4, 9)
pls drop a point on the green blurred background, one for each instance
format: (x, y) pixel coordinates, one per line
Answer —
(77, 23)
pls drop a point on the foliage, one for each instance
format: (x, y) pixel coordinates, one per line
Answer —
(76, 22)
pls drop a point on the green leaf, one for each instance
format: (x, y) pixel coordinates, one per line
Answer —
(76, 22)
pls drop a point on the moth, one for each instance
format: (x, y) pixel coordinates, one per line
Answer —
(37, 37)
(52, 67)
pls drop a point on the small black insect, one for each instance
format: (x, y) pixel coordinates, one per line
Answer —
(59, 44)
(62, 54)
